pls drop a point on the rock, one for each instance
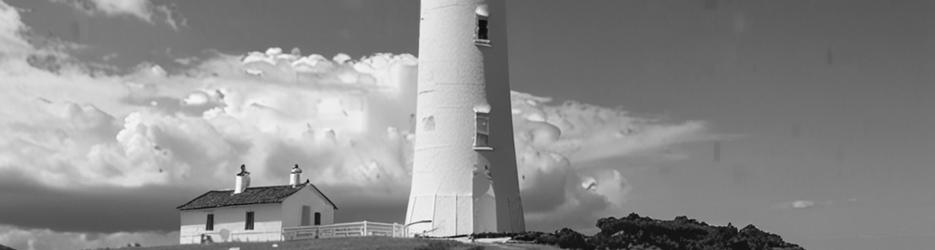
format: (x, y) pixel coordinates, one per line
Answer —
(637, 232)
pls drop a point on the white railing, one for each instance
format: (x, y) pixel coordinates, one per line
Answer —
(250, 236)
(350, 229)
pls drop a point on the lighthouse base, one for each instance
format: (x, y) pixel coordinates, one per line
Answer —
(449, 215)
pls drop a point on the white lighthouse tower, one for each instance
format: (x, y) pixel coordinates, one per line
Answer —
(464, 171)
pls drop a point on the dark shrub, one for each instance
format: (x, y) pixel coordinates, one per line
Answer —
(570, 239)
(527, 236)
(636, 232)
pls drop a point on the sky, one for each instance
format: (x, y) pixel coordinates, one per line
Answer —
(810, 119)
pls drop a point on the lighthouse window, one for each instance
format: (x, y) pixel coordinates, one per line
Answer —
(481, 33)
(482, 28)
(482, 131)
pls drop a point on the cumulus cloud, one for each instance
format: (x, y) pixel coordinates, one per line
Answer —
(554, 141)
(587, 132)
(172, 16)
(346, 121)
(803, 204)
(31, 239)
(158, 129)
(12, 44)
(143, 10)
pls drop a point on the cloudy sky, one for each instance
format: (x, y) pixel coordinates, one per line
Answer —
(811, 119)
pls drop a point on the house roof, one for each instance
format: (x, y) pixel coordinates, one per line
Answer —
(252, 195)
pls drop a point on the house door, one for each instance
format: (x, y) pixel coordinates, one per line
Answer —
(317, 218)
(306, 212)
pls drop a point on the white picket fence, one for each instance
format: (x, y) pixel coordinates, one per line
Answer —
(350, 229)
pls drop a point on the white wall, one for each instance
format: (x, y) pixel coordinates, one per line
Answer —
(292, 208)
(229, 224)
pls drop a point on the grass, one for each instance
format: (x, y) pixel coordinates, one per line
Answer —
(372, 242)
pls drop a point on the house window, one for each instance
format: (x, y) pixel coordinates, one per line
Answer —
(317, 218)
(481, 32)
(306, 218)
(209, 222)
(482, 131)
(249, 221)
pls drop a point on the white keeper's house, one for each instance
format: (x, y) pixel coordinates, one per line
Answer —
(247, 214)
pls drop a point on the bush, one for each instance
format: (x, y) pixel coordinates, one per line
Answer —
(636, 232)
(570, 239)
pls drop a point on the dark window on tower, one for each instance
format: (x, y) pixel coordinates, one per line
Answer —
(209, 222)
(249, 221)
(481, 33)
(306, 212)
(482, 131)
(482, 28)
(317, 218)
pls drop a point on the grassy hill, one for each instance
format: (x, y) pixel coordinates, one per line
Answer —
(382, 243)
(630, 232)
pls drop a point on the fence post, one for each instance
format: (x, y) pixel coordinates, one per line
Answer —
(364, 232)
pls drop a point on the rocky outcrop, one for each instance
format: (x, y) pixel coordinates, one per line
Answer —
(636, 232)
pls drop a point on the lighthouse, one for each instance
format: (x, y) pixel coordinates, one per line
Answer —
(464, 177)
